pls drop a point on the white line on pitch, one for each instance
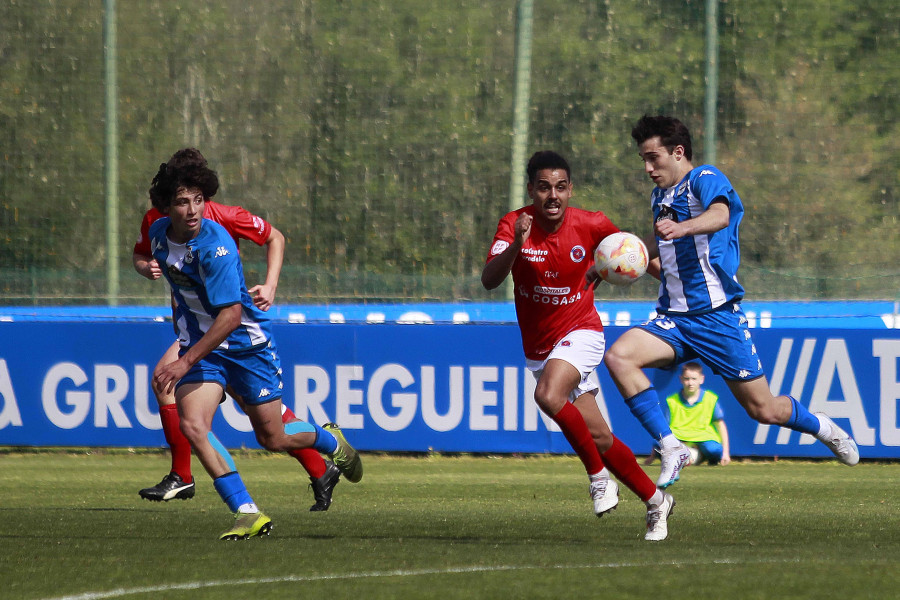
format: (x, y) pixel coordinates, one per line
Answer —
(398, 573)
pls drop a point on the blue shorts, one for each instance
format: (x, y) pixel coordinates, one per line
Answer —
(711, 451)
(254, 374)
(721, 339)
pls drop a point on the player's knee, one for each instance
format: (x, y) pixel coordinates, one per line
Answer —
(271, 443)
(616, 360)
(193, 430)
(603, 440)
(547, 401)
(764, 413)
(162, 398)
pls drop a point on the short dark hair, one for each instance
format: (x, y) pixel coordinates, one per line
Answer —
(692, 366)
(670, 130)
(546, 159)
(186, 169)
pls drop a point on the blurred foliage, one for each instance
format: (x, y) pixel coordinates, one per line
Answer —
(377, 135)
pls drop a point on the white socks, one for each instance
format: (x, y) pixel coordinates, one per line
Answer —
(825, 430)
(604, 474)
(656, 499)
(248, 508)
(669, 442)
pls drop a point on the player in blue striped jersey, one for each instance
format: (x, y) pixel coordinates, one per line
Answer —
(699, 272)
(200, 291)
(225, 341)
(696, 250)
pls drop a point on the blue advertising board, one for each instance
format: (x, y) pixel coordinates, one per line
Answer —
(440, 387)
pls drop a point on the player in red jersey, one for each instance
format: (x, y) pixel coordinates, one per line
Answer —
(548, 247)
(240, 224)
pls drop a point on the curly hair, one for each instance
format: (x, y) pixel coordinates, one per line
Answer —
(186, 169)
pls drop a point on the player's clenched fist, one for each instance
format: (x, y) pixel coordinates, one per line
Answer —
(523, 227)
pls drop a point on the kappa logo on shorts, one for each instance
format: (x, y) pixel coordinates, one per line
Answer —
(263, 393)
(744, 374)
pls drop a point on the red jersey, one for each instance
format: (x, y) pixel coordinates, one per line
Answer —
(240, 224)
(549, 276)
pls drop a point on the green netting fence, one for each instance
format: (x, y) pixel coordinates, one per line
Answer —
(378, 135)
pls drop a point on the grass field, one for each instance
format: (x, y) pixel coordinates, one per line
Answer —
(73, 527)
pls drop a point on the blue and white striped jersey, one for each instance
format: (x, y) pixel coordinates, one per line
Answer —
(206, 275)
(699, 273)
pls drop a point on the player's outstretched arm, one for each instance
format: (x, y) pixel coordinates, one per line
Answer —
(592, 277)
(146, 266)
(264, 295)
(228, 319)
(654, 269)
(726, 447)
(713, 219)
(498, 268)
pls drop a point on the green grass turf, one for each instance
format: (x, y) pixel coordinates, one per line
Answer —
(443, 527)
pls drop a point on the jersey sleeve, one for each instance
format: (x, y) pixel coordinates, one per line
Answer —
(718, 413)
(240, 223)
(710, 184)
(221, 268)
(503, 238)
(602, 228)
(142, 245)
(156, 228)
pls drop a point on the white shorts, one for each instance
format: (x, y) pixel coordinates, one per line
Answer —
(583, 349)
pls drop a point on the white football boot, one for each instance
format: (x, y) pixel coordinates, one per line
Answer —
(658, 519)
(605, 494)
(672, 460)
(839, 442)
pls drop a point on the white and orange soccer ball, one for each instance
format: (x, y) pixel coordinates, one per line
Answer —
(621, 258)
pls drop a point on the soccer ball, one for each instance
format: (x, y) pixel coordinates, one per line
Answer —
(621, 258)
(695, 454)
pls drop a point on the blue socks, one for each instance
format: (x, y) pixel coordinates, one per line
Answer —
(802, 420)
(645, 406)
(325, 442)
(232, 490)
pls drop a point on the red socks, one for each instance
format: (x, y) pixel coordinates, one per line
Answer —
(309, 458)
(621, 462)
(576, 431)
(181, 448)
